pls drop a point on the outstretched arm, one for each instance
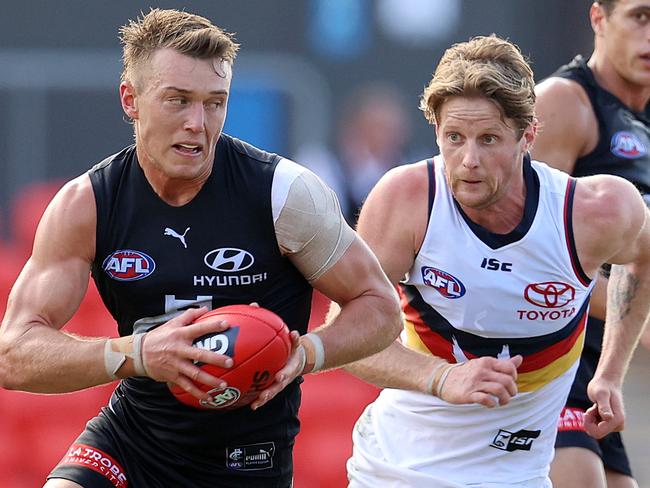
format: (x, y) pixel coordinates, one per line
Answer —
(36, 356)
(611, 224)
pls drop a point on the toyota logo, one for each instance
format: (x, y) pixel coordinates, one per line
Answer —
(229, 259)
(550, 294)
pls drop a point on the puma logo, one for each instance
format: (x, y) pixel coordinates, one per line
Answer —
(171, 232)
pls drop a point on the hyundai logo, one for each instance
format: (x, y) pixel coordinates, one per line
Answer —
(229, 259)
(549, 294)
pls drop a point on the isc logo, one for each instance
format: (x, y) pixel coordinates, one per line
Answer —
(495, 265)
(447, 285)
(128, 265)
(522, 440)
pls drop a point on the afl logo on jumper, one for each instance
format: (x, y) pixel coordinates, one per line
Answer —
(447, 285)
(627, 145)
(128, 265)
(549, 294)
(229, 259)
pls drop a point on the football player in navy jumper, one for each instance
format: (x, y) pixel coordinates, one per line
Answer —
(594, 118)
(185, 220)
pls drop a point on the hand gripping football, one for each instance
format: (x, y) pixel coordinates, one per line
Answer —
(259, 344)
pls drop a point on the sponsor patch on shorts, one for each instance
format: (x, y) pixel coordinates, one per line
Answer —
(571, 419)
(100, 462)
(251, 457)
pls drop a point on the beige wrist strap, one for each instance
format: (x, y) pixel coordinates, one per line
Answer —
(114, 360)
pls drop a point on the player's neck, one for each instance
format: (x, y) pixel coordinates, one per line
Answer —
(173, 191)
(633, 95)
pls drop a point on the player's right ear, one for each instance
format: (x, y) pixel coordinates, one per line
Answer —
(128, 99)
(597, 17)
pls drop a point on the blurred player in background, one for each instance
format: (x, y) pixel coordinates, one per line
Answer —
(495, 257)
(184, 220)
(594, 118)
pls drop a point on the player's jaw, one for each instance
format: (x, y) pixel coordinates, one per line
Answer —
(643, 63)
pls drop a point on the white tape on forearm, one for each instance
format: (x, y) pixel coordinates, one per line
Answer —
(113, 360)
(319, 351)
(138, 362)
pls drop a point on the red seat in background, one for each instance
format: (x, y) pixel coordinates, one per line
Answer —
(35, 430)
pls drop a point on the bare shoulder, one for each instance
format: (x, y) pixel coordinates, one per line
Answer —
(608, 197)
(69, 221)
(554, 88)
(399, 196)
(568, 127)
(393, 219)
(608, 211)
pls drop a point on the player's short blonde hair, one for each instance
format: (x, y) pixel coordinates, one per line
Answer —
(184, 32)
(486, 66)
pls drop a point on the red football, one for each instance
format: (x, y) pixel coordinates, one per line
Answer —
(259, 344)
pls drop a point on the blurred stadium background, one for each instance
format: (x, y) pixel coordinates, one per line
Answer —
(333, 84)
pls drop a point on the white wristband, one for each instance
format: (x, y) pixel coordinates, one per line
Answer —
(136, 355)
(303, 358)
(319, 351)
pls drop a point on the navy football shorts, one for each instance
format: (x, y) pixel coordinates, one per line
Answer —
(99, 458)
(570, 430)
(610, 448)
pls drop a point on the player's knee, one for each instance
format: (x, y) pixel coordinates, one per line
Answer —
(576, 467)
(619, 480)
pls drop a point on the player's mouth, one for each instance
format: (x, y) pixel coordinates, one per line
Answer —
(188, 149)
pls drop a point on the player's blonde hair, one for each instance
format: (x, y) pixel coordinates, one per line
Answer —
(184, 32)
(486, 66)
